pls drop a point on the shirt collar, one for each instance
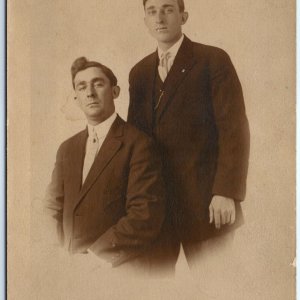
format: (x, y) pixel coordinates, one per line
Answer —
(102, 128)
(172, 50)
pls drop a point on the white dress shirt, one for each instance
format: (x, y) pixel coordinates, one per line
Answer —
(172, 52)
(101, 131)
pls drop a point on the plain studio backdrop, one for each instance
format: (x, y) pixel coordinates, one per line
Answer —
(45, 37)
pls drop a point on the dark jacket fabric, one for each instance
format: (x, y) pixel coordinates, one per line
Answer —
(118, 211)
(201, 130)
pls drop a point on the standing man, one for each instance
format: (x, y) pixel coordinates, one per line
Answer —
(106, 193)
(188, 97)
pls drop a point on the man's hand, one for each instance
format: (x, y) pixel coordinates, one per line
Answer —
(101, 262)
(222, 211)
(89, 261)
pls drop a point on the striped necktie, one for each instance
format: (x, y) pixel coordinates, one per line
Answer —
(163, 67)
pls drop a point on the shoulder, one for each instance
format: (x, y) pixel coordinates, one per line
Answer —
(134, 135)
(71, 142)
(140, 145)
(214, 59)
(145, 61)
(211, 54)
(143, 64)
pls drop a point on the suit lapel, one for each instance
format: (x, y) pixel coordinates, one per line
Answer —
(77, 153)
(109, 148)
(150, 72)
(183, 63)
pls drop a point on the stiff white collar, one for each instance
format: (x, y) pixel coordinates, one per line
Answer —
(102, 128)
(172, 50)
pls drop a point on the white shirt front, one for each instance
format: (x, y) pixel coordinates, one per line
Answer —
(101, 131)
(172, 52)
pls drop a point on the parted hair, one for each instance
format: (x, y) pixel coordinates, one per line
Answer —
(180, 4)
(82, 63)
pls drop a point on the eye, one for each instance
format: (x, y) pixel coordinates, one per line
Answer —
(169, 10)
(98, 84)
(81, 88)
(151, 12)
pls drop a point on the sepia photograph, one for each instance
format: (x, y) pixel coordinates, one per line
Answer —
(151, 149)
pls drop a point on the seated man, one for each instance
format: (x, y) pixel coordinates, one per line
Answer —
(106, 193)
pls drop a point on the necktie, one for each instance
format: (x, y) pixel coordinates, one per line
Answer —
(90, 154)
(163, 67)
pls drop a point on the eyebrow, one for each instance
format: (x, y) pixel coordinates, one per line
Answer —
(164, 6)
(93, 80)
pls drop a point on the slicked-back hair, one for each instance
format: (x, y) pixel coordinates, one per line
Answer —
(180, 4)
(82, 63)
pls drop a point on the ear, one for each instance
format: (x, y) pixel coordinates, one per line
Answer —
(116, 91)
(185, 16)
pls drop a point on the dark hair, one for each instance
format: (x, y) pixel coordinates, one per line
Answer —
(82, 63)
(180, 4)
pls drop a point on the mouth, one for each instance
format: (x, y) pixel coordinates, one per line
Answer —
(93, 104)
(161, 29)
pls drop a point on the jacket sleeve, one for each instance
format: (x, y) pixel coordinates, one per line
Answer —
(133, 98)
(144, 209)
(233, 129)
(54, 199)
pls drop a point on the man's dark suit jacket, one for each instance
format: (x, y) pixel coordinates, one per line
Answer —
(201, 130)
(119, 209)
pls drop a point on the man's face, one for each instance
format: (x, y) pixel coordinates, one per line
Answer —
(95, 95)
(164, 21)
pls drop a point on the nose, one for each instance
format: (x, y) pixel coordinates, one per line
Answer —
(159, 17)
(90, 91)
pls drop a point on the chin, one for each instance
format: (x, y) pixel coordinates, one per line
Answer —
(165, 39)
(94, 114)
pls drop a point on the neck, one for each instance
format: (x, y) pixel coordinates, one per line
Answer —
(99, 120)
(164, 46)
